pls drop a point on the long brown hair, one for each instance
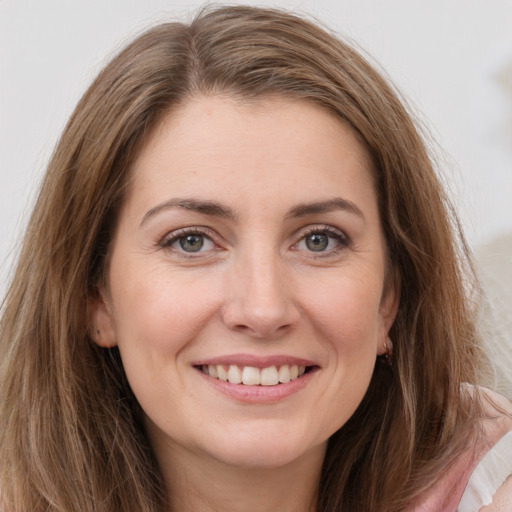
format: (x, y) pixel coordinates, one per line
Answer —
(70, 431)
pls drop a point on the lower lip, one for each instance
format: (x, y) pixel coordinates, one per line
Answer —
(259, 394)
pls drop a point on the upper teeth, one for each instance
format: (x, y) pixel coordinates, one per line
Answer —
(252, 376)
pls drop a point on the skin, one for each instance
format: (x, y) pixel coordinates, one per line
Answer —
(502, 500)
(255, 288)
(499, 413)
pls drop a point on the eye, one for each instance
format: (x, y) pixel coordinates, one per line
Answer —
(317, 242)
(188, 241)
(325, 240)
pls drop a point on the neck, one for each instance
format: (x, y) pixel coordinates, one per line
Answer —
(197, 483)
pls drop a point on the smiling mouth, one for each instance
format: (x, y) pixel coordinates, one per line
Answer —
(252, 376)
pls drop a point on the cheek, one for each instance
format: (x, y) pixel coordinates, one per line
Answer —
(161, 312)
(346, 321)
(346, 313)
(157, 316)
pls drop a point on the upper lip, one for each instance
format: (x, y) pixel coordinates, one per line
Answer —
(254, 361)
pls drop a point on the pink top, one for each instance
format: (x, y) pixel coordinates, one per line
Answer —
(477, 473)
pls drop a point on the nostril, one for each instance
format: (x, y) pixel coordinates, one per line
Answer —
(241, 327)
(261, 330)
(248, 316)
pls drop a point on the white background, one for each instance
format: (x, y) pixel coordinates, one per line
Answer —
(451, 58)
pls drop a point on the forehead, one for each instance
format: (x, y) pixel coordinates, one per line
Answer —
(272, 146)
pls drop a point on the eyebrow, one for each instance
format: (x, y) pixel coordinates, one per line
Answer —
(337, 203)
(200, 206)
(215, 209)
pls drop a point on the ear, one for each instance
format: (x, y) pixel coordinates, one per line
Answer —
(101, 320)
(388, 308)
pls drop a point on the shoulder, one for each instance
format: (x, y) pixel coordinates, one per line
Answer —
(495, 406)
(480, 472)
(491, 412)
(502, 500)
(489, 487)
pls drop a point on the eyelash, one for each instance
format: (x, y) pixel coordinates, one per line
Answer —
(173, 237)
(343, 241)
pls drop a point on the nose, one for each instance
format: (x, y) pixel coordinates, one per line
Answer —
(260, 299)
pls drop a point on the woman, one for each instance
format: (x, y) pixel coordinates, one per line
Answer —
(240, 289)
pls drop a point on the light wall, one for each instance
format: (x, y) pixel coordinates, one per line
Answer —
(452, 59)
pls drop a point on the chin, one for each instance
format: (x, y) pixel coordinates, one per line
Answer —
(259, 459)
(264, 450)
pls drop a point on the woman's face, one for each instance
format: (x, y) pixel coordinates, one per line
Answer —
(249, 248)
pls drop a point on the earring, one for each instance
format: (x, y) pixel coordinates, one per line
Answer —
(387, 357)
